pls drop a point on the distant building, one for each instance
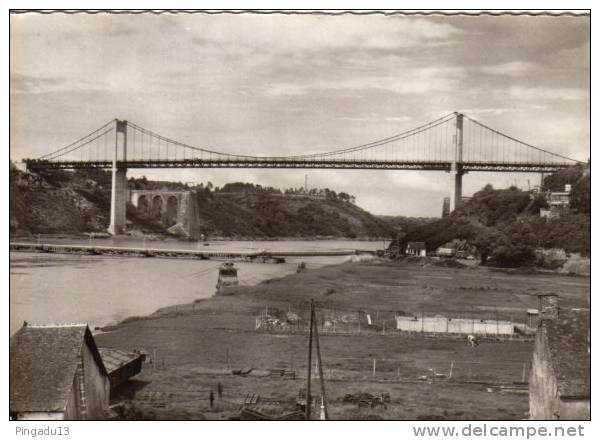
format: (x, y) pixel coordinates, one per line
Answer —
(557, 202)
(559, 199)
(446, 207)
(57, 373)
(559, 382)
(416, 248)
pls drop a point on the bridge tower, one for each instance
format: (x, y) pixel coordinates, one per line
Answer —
(456, 169)
(118, 195)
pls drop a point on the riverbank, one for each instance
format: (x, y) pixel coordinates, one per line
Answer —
(170, 238)
(202, 344)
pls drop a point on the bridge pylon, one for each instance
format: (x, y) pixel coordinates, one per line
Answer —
(456, 166)
(118, 193)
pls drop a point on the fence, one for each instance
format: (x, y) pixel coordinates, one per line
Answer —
(385, 322)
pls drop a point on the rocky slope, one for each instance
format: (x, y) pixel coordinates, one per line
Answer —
(79, 202)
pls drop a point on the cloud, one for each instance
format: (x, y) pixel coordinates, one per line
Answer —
(20, 83)
(399, 118)
(513, 68)
(410, 81)
(317, 33)
(546, 93)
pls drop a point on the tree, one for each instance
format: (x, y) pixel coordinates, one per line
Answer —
(486, 240)
(580, 200)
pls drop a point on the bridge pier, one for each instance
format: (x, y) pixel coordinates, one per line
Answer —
(456, 170)
(456, 197)
(118, 201)
(118, 194)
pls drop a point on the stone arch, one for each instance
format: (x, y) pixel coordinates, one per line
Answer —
(142, 204)
(157, 206)
(172, 211)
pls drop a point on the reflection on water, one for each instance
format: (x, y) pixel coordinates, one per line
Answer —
(99, 290)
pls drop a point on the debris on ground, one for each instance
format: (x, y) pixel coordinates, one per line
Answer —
(245, 372)
(367, 399)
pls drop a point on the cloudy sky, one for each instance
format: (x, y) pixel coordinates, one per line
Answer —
(279, 84)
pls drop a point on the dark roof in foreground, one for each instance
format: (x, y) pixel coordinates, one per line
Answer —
(43, 361)
(568, 344)
(114, 359)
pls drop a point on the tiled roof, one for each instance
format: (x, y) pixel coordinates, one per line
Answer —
(114, 359)
(43, 361)
(568, 344)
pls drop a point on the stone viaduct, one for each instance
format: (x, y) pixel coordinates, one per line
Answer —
(174, 209)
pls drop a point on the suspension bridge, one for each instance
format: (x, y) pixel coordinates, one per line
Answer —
(454, 143)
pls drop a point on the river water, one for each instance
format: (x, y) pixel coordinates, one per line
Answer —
(100, 290)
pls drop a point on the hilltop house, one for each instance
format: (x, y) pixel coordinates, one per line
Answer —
(557, 202)
(57, 373)
(559, 382)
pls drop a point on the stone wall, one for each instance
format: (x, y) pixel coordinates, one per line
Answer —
(543, 392)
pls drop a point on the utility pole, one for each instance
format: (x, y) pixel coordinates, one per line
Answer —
(323, 398)
(310, 335)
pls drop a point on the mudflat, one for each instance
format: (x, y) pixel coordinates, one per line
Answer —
(252, 341)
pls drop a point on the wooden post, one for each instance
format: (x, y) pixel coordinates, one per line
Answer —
(451, 368)
(497, 323)
(524, 368)
(324, 399)
(374, 366)
(154, 359)
(308, 376)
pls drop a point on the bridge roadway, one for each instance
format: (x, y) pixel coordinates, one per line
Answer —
(172, 253)
(283, 162)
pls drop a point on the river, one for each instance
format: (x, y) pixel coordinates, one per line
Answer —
(100, 290)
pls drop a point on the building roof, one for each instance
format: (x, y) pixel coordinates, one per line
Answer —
(114, 359)
(568, 342)
(416, 244)
(43, 362)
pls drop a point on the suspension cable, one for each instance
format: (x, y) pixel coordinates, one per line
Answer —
(82, 145)
(519, 141)
(77, 141)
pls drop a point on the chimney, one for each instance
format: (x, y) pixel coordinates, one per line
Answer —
(548, 306)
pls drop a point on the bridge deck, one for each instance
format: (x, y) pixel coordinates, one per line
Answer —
(526, 167)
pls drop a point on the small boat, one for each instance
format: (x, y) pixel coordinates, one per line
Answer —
(227, 276)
